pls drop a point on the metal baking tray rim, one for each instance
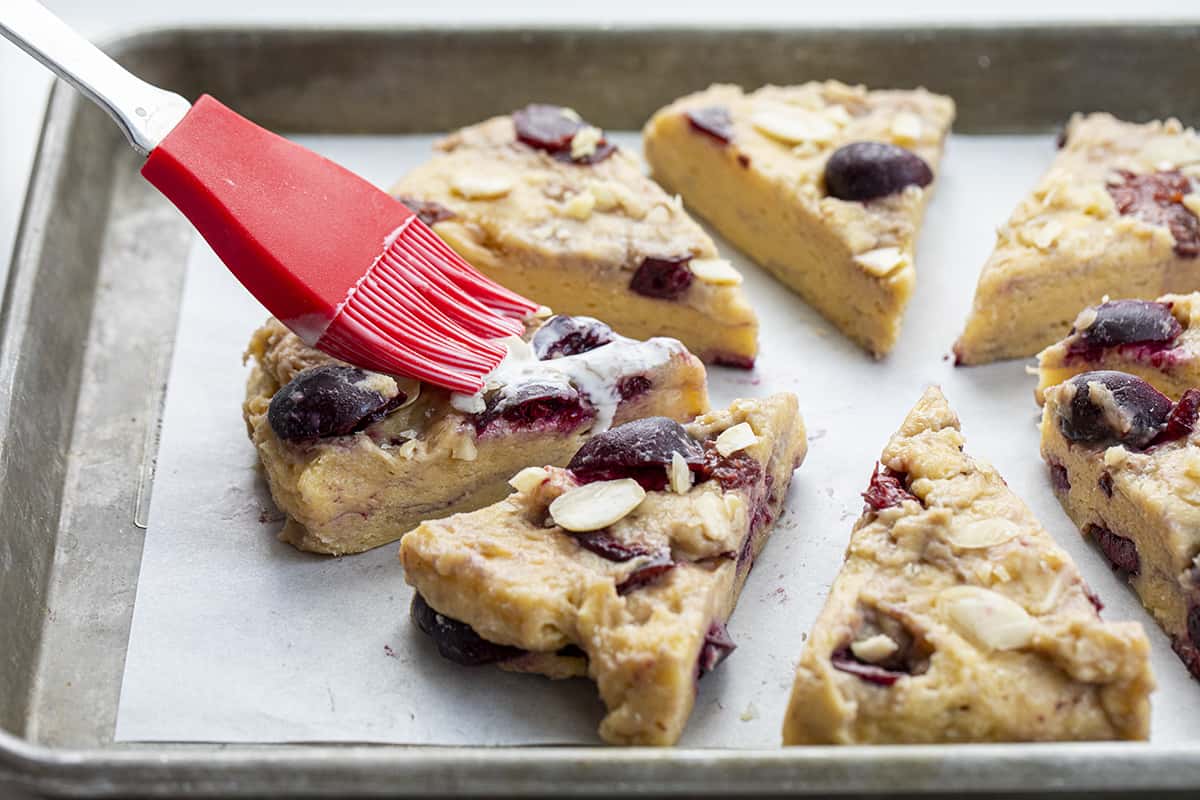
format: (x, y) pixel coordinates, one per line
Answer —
(378, 769)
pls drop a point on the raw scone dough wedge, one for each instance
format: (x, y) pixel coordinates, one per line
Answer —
(356, 459)
(1125, 464)
(1157, 340)
(623, 567)
(956, 618)
(1115, 215)
(754, 165)
(542, 203)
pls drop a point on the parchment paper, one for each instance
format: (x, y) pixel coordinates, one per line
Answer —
(239, 638)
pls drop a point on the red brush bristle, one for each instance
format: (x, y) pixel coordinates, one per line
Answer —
(422, 311)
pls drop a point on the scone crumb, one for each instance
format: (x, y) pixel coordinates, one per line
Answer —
(881, 262)
(735, 438)
(481, 187)
(679, 474)
(529, 479)
(906, 128)
(584, 143)
(716, 271)
(874, 649)
(596, 505)
(1115, 456)
(750, 713)
(580, 205)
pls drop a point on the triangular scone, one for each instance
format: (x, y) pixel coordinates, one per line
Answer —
(1115, 215)
(542, 203)
(956, 618)
(583, 571)
(1157, 340)
(355, 459)
(755, 166)
(1125, 464)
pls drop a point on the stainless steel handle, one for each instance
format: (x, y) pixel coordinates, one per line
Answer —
(145, 113)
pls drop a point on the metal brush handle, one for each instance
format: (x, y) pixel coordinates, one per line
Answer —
(144, 112)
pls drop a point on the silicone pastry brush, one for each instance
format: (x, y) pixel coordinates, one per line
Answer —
(344, 265)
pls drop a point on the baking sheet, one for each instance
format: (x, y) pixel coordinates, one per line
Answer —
(237, 637)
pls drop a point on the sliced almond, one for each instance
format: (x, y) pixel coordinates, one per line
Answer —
(874, 649)
(1192, 203)
(982, 533)
(793, 126)
(738, 437)
(838, 115)
(882, 261)
(580, 205)
(714, 516)
(1043, 236)
(604, 195)
(596, 505)
(987, 618)
(906, 128)
(465, 449)
(408, 449)
(529, 479)
(584, 143)
(679, 475)
(481, 187)
(716, 271)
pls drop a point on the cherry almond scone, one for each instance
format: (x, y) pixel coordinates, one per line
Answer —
(956, 618)
(1125, 463)
(355, 459)
(1157, 340)
(543, 203)
(623, 567)
(823, 184)
(1115, 215)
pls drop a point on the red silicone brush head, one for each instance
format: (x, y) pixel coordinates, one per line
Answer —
(344, 265)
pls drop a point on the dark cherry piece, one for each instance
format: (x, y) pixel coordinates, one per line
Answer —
(646, 574)
(542, 404)
(663, 278)
(734, 471)
(1106, 483)
(550, 128)
(633, 386)
(1059, 477)
(1157, 198)
(326, 401)
(715, 121)
(1120, 551)
(1193, 624)
(427, 211)
(456, 640)
(843, 659)
(717, 647)
(641, 450)
(1182, 421)
(1142, 411)
(568, 336)
(863, 171)
(887, 489)
(1120, 322)
(605, 546)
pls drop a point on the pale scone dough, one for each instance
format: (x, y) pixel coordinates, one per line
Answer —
(518, 578)
(572, 235)
(1172, 368)
(346, 494)
(764, 190)
(1066, 246)
(956, 618)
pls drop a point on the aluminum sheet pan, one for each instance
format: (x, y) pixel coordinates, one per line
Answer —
(91, 307)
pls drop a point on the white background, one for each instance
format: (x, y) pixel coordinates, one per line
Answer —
(23, 83)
